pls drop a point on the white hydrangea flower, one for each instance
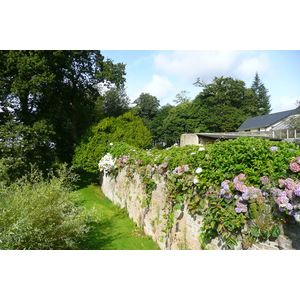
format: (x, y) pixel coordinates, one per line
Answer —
(196, 180)
(201, 149)
(106, 163)
(199, 170)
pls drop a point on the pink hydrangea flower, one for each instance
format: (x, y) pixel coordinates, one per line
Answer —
(281, 183)
(295, 167)
(264, 180)
(290, 183)
(240, 177)
(240, 207)
(185, 168)
(240, 186)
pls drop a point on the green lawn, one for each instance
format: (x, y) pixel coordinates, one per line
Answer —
(115, 230)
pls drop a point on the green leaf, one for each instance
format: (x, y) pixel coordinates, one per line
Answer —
(275, 231)
(179, 198)
(177, 207)
(265, 234)
(255, 231)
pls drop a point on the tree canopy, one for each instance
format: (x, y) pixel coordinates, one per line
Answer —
(59, 87)
(148, 105)
(126, 128)
(58, 94)
(224, 104)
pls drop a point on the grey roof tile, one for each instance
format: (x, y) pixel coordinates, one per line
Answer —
(267, 120)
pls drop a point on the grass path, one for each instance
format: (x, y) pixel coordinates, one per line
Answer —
(115, 231)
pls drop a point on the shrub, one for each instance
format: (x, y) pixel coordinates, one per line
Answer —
(235, 184)
(41, 214)
(127, 128)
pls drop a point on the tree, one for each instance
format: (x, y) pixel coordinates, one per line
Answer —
(112, 103)
(57, 86)
(181, 119)
(224, 104)
(157, 125)
(263, 99)
(24, 146)
(148, 104)
(182, 97)
(95, 144)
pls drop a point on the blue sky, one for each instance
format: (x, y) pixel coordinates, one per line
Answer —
(165, 73)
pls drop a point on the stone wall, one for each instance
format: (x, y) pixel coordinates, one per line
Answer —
(196, 139)
(129, 193)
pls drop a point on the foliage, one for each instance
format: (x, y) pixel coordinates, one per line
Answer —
(224, 104)
(112, 103)
(182, 97)
(237, 185)
(148, 105)
(157, 128)
(57, 86)
(22, 147)
(126, 128)
(263, 99)
(41, 214)
(180, 119)
(251, 156)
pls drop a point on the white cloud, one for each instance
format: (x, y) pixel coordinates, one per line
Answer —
(249, 66)
(160, 87)
(190, 65)
(285, 103)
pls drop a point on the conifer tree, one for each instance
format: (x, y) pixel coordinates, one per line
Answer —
(263, 99)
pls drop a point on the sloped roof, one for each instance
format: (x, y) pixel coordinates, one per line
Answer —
(267, 120)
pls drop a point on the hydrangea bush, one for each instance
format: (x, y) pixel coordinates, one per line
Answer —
(244, 187)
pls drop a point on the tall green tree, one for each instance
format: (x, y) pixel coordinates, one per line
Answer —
(181, 119)
(148, 104)
(263, 98)
(157, 124)
(112, 103)
(224, 104)
(60, 87)
(24, 146)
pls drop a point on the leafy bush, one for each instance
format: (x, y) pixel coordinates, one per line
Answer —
(235, 184)
(126, 128)
(41, 214)
(22, 146)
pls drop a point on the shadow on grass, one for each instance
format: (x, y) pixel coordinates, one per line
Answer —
(86, 179)
(98, 237)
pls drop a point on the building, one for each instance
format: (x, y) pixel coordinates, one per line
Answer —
(203, 139)
(277, 125)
